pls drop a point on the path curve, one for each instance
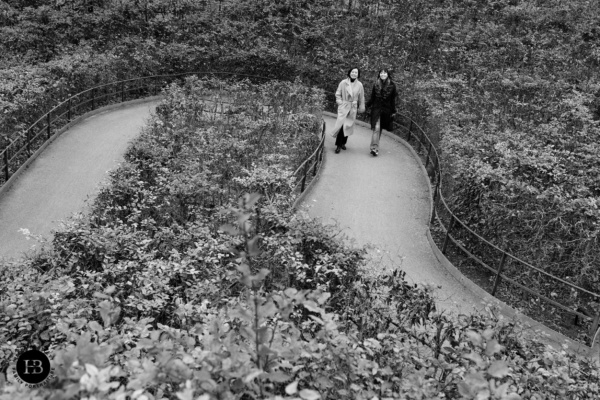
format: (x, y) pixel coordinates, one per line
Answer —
(384, 201)
(67, 173)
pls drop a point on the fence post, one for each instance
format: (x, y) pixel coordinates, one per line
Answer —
(93, 98)
(594, 326)
(29, 142)
(48, 128)
(498, 272)
(69, 112)
(321, 154)
(435, 200)
(428, 154)
(122, 92)
(450, 226)
(6, 164)
(304, 177)
(409, 130)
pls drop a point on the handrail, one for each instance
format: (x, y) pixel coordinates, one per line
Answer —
(29, 141)
(440, 206)
(432, 156)
(317, 154)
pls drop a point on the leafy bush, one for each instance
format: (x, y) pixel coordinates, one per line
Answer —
(161, 293)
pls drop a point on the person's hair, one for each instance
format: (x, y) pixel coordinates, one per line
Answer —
(350, 70)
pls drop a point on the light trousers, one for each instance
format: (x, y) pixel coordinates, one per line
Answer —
(375, 135)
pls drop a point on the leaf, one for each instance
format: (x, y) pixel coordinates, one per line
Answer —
(230, 229)
(308, 394)
(252, 375)
(488, 334)
(312, 306)
(251, 199)
(253, 249)
(278, 377)
(292, 388)
(475, 338)
(475, 357)
(95, 326)
(492, 348)
(498, 369)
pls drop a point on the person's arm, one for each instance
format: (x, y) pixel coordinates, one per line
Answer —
(393, 101)
(338, 94)
(372, 98)
(361, 99)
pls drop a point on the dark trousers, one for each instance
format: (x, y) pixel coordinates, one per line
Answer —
(340, 139)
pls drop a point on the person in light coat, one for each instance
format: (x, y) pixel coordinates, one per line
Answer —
(350, 98)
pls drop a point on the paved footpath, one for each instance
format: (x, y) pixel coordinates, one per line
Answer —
(380, 201)
(66, 174)
(384, 201)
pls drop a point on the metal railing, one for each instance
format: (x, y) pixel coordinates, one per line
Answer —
(23, 146)
(467, 241)
(476, 249)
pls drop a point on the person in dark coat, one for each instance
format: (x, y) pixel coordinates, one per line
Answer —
(383, 107)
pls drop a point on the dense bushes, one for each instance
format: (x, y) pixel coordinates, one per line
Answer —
(151, 296)
(514, 96)
(151, 278)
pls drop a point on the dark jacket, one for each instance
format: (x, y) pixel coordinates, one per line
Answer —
(383, 103)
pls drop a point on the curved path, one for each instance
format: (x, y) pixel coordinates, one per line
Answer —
(384, 201)
(380, 202)
(66, 174)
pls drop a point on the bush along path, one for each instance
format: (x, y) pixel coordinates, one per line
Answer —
(66, 174)
(383, 202)
(181, 284)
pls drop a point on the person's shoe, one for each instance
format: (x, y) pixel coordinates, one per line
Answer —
(343, 147)
(337, 150)
(373, 152)
(376, 153)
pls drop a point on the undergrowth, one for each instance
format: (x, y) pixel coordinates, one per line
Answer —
(180, 284)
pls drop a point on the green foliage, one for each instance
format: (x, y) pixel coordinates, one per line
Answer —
(145, 299)
(162, 294)
(514, 95)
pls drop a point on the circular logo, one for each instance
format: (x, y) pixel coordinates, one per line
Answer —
(33, 367)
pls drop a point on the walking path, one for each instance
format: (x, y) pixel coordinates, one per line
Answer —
(384, 201)
(66, 174)
(380, 201)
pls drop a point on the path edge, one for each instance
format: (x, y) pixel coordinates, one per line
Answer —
(16, 175)
(300, 199)
(540, 331)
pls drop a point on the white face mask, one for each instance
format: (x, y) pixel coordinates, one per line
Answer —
(383, 76)
(354, 74)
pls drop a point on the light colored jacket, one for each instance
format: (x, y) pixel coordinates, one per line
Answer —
(349, 100)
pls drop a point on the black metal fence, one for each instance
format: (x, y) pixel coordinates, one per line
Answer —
(24, 145)
(465, 242)
(504, 271)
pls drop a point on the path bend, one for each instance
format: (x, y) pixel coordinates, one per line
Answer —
(384, 202)
(68, 172)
